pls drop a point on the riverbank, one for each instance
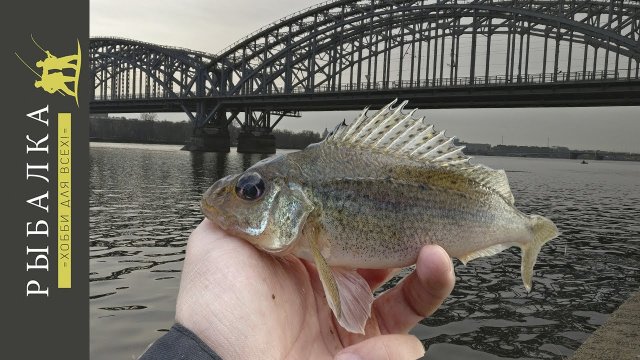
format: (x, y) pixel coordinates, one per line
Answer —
(167, 132)
(184, 146)
(618, 338)
(133, 141)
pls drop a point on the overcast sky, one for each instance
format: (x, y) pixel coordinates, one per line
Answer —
(211, 25)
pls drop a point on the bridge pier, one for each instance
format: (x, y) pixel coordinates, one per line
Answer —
(256, 136)
(256, 142)
(209, 139)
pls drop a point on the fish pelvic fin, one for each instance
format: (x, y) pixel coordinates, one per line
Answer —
(348, 294)
(543, 230)
(356, 299)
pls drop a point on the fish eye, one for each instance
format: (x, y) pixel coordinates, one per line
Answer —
(250, 186)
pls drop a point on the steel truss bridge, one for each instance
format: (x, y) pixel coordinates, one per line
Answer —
(347, 54)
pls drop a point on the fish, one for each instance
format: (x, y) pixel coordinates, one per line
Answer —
(370, 195)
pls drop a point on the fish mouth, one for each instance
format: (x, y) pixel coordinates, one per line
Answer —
(213, 211)
(278, 252)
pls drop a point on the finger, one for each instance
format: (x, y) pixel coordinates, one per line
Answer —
(205, 233)
(208, 237)
(384, 347)
(419, 295)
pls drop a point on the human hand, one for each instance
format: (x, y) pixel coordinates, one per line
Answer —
(246, 304)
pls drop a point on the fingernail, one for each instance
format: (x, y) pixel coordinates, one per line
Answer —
(348, 356)
(443, 258)
(447, 258)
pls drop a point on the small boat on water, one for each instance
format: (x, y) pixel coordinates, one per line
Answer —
(584, 162)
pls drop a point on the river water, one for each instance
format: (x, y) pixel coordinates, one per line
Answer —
(144, 204)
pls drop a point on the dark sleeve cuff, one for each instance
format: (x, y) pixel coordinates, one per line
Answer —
(179, 343)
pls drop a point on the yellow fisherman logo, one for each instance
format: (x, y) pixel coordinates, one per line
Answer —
(57, 74)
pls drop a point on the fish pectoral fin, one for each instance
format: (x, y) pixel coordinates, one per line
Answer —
(348, 294)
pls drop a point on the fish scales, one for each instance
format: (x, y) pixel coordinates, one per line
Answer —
(372, 217)
(371, 195)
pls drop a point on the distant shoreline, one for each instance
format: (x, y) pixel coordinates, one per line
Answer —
(160, 142)
(134, 141)
(178, 133)
(122, 130)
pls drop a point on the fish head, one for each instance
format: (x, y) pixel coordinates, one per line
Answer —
(260, 205)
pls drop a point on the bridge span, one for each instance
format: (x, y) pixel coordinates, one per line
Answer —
(347, 54)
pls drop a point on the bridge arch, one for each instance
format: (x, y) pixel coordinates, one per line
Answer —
(128, 69)
(317, 49)
(347, 54)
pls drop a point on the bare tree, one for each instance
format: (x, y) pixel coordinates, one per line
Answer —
(149, 117)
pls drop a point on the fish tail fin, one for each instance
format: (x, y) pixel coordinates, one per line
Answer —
(543, 230)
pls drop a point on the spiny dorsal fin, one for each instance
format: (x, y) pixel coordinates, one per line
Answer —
(390, 131)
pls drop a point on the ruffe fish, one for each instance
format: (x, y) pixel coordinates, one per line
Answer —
(371, 195)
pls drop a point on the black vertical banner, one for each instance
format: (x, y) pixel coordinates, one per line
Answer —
(45, 152)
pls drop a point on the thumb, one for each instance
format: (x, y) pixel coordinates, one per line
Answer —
(384, 347)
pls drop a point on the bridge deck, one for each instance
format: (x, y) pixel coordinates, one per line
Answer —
(596, 93)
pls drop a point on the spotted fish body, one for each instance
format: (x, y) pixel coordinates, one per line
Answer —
(370, 196)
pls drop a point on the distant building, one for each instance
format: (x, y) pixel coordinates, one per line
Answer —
(531, 151)
(473, 148)
(561, 151)
(558, 152)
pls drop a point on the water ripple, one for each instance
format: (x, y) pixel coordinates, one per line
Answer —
(144, 204)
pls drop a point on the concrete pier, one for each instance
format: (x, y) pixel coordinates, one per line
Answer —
(618, 338)
(209, 139)
(250, 143)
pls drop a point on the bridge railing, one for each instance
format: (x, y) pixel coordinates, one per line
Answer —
(136, 96)
(496, 80)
